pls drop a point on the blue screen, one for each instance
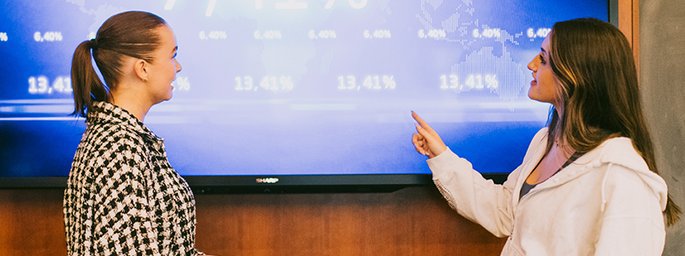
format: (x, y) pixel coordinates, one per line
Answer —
(298, 87)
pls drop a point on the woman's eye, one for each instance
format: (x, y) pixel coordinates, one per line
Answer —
(542, 60)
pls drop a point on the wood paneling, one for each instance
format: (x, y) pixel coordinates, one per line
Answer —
(412, 221)
(629, 24)
(31, 222)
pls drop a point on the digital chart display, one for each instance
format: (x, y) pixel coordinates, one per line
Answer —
(297, 87)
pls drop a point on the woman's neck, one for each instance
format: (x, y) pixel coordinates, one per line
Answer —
(562, 145)
(131, 103)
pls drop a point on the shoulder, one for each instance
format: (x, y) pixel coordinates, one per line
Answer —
(111, 146)
(621, 151)
(628, 173)
(114, 136)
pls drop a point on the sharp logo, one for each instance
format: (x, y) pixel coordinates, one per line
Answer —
(266, 180)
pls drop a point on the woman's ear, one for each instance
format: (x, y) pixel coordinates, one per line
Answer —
(141, 69)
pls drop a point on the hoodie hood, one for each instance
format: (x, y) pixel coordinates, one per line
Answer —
(620, 151)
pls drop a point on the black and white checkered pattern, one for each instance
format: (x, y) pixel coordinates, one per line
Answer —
(123, 197)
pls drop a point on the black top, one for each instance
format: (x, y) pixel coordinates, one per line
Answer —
(525, 188)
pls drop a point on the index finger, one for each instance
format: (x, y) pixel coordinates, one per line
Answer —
(421, 122)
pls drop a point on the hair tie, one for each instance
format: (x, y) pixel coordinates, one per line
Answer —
(93, 43)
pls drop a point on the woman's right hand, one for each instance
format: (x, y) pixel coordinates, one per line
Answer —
(426, 141)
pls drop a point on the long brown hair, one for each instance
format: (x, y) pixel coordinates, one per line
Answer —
(129, 33)
(599, 90)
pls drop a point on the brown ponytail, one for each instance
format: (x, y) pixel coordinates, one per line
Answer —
(125, 34)
(86, 83)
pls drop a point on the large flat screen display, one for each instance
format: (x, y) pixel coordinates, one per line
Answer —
(294, 87)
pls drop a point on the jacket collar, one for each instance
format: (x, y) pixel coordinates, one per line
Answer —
(102, 112)
(618, 151)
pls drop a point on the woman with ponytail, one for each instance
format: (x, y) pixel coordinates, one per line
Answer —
(588, 184)
(123, 197)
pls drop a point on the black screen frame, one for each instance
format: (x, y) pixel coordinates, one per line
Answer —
(345, 183)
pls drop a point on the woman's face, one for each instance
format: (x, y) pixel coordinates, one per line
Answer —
(544, 86)
(164, 66)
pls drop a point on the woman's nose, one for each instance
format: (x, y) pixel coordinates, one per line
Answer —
(533, 64)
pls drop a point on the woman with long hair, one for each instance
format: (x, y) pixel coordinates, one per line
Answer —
(588, 184)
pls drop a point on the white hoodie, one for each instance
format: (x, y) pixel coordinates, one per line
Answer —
(607, 202)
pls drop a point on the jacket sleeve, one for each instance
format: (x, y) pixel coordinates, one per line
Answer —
(632, 222)
(477, 199)
(472, 196)
(124, 216)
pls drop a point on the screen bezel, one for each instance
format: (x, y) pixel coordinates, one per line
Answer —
(354, 183)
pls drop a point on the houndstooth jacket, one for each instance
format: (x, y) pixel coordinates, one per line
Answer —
(123, 197)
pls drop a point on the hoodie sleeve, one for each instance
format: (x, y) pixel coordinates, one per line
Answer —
(472, 196)
(632, 222)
